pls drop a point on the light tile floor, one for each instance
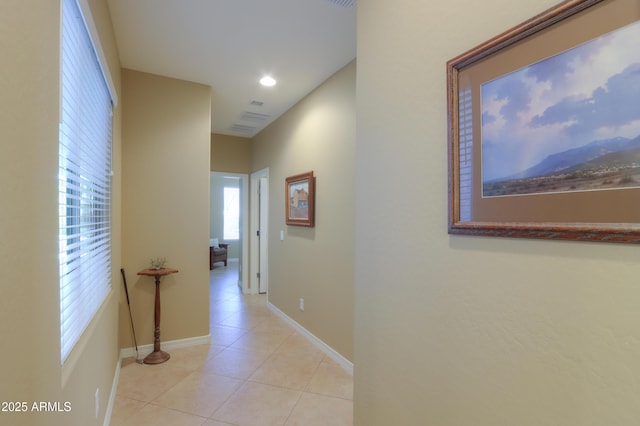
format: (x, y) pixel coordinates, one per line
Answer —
(257, 371)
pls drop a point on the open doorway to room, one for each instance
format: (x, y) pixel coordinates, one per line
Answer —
(229, 224)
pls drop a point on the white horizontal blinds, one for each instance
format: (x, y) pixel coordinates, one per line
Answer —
(84, 181)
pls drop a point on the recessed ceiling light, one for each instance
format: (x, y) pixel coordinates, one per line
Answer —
(267, 81)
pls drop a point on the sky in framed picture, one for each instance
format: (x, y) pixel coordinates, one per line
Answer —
(570, 122)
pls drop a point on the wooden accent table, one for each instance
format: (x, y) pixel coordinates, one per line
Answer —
(157, 356)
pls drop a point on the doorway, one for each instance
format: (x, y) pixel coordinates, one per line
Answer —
(259, 281)
(228, 220)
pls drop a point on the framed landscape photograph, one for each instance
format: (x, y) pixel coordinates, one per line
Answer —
(300, 199)
(544, 127)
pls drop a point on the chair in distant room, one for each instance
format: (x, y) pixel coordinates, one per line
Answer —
(217, 252)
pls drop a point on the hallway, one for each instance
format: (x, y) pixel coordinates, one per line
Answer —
(257, 371)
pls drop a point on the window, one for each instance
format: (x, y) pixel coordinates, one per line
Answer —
(231, 213)
(84, 181)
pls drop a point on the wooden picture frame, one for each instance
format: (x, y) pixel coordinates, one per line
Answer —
(539, 93)
(300, 199)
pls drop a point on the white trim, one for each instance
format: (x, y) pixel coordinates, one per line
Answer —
(263, 283)
(328, 350)
(112, 395)
(172, 344)
(255, 221)
(85, 9)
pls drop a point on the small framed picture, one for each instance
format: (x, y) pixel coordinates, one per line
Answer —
(300, 199)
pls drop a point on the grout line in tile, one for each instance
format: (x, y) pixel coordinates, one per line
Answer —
(293, 409)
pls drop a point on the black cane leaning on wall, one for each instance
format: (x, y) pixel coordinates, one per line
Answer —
(126, 292)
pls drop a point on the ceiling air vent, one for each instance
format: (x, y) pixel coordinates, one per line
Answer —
(254, 116)
(343, 3)
(241, 128)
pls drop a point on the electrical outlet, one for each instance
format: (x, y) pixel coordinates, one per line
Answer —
(301, 304)
(97, 402)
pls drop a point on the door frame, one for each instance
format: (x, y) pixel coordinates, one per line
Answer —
(257, 254)
(243, 271)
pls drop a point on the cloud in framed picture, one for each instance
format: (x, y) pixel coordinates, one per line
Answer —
(544, 127)
(570, 122)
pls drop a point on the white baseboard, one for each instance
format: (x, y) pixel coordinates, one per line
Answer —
(112, 395)
(171, 344)
(328, 350)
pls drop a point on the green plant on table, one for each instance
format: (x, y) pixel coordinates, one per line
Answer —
(158, 262)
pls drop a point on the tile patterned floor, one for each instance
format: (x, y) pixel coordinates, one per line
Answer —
(257, 371)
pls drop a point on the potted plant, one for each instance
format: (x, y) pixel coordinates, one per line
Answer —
(158, 262)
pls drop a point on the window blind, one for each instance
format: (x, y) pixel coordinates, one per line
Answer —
(84, 181)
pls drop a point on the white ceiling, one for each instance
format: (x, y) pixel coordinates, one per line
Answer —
(230, 44)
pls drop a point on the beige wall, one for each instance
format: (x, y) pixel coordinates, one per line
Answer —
(29, 307)
(166, 143)
(230, 154)
(455, 330)
(315, 263)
